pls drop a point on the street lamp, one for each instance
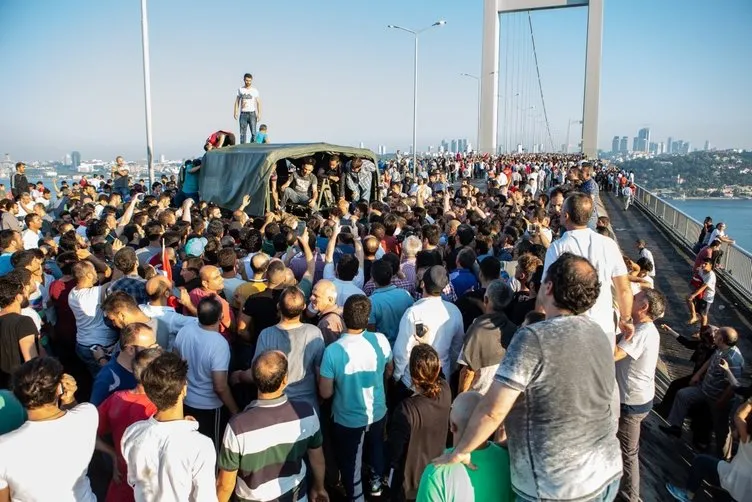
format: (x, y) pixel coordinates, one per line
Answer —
(477, 130)
(415, 34)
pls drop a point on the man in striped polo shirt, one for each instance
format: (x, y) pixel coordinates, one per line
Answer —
(263, 448)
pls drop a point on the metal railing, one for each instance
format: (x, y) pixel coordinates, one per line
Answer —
(736, 262)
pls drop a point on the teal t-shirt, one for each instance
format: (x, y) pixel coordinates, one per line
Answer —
(260, 137)
(490, 482)
(356, 363)
(12, 413)
(190, 182)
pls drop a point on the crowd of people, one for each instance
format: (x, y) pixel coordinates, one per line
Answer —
(470, 333)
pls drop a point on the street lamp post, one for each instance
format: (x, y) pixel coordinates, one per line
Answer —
(147, 92)
(477, 130)
(415, 34)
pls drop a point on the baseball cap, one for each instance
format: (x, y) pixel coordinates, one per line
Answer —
(195, 246)
(435, 279)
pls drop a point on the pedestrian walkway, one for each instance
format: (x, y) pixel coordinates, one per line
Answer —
(664, 459)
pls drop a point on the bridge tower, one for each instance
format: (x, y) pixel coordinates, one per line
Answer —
(490, 66)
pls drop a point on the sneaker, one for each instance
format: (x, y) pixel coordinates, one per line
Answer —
(679, 494)
(375, 486)
(671, 430)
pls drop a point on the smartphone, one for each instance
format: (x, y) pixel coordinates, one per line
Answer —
(301, 228)
(420, 330)
(175, 292)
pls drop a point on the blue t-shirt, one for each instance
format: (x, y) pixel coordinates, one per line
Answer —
(463, 280)
(5, 265)
(190, 181)
(260, 137)
(388, 305)
(356, 363)
(110, 379)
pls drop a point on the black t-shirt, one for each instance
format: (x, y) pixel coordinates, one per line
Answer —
(262, 309)
(13, 328)
(522, 303)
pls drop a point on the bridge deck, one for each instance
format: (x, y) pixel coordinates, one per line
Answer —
(664, 459)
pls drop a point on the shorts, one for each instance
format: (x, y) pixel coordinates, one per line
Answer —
(701, 307)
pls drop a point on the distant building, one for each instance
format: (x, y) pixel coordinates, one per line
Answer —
(361, 145)
(162, 159)
(75, 159)
(643, 140)
(686, 147)
(669, 145)
(615, 145)
(653, 148)
(707, 145)
(677, 146)
(624, 144)
(453, 146)
(636, 144)
(661, 148)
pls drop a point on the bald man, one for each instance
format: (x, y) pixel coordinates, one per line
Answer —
(159, 289)
(325, 312)
(276, 423)
(212, 284)
(490, 481)
(303, 345)
(256, 284)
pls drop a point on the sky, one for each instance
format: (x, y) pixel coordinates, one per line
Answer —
(332, 71)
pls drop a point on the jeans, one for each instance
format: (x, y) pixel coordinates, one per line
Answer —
(247, 119)
(691, 396)
(125, 192)
(629, 439)
(704, 468)
(349, 447)
(290, 195)
(87, 357)
(607, 495)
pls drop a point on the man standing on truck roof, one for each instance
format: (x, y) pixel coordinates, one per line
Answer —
(248, 103)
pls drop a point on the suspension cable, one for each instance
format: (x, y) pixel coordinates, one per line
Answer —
(540, 86)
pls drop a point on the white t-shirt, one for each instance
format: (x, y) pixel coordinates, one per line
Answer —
(646, 253)
(635, 374)
(47, 461)
(248, 97)
(169, 461)
(708, 278)
(30, 239)
(205, 351)
(90, 326)
(605, 256)
(443, 321)
(345, 289)
(715, 234)
(169, 323)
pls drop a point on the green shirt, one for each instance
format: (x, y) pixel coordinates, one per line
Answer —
(12, 413)
(490, 482)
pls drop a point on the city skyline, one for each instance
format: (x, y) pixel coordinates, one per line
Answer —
(89, 53)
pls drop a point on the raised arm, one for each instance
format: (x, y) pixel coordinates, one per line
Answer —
(128, 214)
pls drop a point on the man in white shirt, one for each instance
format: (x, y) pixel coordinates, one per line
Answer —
(33, 231)
(430, 320)
(647, 254)
(636, 360)
(168, 459)
(349, 277)
(159, 289)
(84, 301)
(249, 105)
(208, 357)
(604, 254)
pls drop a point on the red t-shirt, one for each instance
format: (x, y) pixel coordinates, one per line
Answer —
(228, 317)
(704, 254)
(116, 414)
(214, 138)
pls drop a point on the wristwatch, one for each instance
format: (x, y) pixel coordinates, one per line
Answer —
(627, 320)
